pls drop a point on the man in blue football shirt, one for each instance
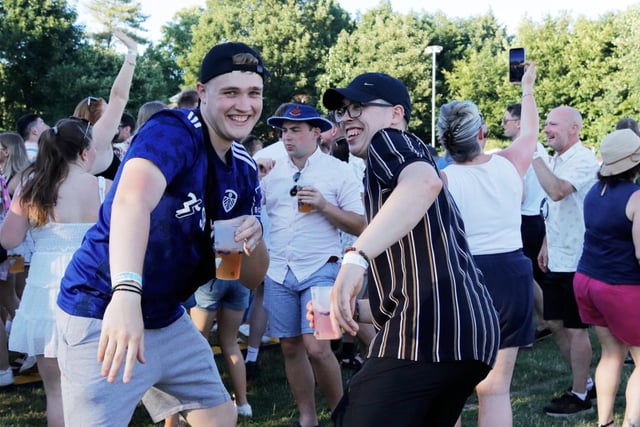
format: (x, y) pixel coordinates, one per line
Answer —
(151, 248)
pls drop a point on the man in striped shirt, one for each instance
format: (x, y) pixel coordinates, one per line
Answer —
(438, 331)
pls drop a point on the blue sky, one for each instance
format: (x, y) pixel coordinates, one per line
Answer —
(508, 12)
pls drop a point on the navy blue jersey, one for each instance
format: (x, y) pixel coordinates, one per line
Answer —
(173, 141)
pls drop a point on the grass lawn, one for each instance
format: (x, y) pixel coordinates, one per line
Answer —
(540, 374)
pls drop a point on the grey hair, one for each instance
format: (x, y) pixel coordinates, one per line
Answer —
(458, 126)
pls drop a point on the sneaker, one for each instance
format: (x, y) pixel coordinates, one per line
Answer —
(245, 410)
(252, 371)
(354, 362)
(6, 377)
(244, 329)
(23, 363)
(591, 394)
(568, 405)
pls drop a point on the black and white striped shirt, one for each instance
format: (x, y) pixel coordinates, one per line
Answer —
(427, 297)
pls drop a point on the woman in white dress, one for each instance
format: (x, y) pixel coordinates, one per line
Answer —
(58, 202)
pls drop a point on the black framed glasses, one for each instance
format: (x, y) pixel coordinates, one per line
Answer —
(354, 110)
(294, 190)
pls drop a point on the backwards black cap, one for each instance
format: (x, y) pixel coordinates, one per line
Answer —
(219, 61)
(367, 87)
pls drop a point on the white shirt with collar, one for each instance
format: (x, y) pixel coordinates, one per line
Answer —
(565, 223)
(303, 242)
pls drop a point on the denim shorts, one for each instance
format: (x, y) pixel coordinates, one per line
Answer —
(230, 294)
(286, 303)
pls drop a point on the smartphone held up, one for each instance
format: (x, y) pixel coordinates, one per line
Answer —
(516, 64)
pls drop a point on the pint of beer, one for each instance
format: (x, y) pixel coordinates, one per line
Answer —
(228, 252)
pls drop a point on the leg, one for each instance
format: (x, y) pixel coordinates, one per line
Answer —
(326, 368)
(8, 297)
(203, 319)
(300, 378)
(632, 411)
(493, 392)
(228, 323)
(223, 415)
(538, 306)
(608, 372)
(561, 339)
(366, 334)
(580, 346)
(50, 373)
(6, 374)
(257, 319)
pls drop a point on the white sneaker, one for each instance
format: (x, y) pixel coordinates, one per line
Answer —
(6, 378)
(244, 329)
(245, 410)
(28, 363)
(265, 339)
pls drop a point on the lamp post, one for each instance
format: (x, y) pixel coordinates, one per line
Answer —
(433, 50)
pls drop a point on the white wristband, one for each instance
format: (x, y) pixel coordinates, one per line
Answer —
(355, 258)
(126, 277)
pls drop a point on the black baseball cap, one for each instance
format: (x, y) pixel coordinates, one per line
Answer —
(367, 87)
(219, 60)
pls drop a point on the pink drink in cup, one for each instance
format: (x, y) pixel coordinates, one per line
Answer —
(320, 297)
(228, 252)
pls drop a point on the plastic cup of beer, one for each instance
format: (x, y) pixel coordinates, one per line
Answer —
(325, 330)
(303, 207)
(228, 252)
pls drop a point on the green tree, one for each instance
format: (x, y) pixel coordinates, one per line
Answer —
(387, 42)
(109, 14)
(35, 36)
(479, 72)
(294, 42)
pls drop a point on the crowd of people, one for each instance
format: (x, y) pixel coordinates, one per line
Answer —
(440, 268)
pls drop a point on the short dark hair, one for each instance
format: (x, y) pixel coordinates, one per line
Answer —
(25, 123)
(515, 110)
(128, 120)
(188, 98)
(628, 123)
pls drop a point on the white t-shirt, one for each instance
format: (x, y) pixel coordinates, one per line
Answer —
(488, 196)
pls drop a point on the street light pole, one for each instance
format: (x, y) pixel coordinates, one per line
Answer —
(433, 50)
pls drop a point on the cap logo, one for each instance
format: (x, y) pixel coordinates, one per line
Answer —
(295, 112)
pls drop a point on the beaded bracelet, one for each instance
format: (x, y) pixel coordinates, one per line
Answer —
(358, 251)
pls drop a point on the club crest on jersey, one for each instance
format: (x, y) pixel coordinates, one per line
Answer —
(229, 200)
(189, 207)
